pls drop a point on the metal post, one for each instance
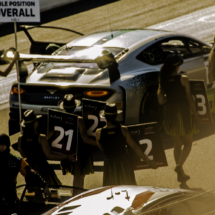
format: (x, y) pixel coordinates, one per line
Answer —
(18, 78)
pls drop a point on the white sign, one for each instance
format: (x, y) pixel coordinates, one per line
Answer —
(22, 11)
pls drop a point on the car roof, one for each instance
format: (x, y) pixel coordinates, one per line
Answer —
(124, 38)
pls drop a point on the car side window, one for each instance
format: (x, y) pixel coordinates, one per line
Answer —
(198, 49)
(175, 45)
(157, 53)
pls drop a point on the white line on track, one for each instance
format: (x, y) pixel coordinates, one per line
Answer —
(200, 24)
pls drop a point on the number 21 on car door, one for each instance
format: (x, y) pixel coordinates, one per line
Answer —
(62, 132)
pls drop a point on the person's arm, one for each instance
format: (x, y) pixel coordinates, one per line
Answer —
(83, 132)
(20, 148)
(136, 148)
(210, 74)
(211, 66)
(162, 99)
(10, 66)
(98, 134)
(185, 82)
(32, 178)
(49, 154)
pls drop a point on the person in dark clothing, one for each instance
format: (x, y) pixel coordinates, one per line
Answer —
(175, 96)
(10, 66)
(36, 149)
(10, 166)
(112, 141)
(84, 164)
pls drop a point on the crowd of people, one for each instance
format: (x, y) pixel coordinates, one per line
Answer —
(178, 107)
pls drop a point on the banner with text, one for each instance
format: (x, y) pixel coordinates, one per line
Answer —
(91, 110)
(63, 132)
(147, 136)
(201, 100)
(22, 11)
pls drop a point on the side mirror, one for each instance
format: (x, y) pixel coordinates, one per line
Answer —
(206, 49)
(107, 61)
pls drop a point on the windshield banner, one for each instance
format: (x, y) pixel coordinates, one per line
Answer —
(91, 110)
(147, 136)
(63, 132)
(201, 100)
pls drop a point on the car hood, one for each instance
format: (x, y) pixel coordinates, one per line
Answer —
(107, 199)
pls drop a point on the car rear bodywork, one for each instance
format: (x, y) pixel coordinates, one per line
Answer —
(45, 87)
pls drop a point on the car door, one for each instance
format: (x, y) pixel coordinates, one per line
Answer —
(195, 61)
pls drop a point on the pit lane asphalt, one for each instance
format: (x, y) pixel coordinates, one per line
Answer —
(200, 165)
(201, 162)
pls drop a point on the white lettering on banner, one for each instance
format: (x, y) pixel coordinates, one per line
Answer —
(69, 133)
(59, 138)
(22, 11)
(201, 104)
(90, 131)
(95, 124)
(69, 141)
(148, 149)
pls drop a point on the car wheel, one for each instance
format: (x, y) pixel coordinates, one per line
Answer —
(150, 110)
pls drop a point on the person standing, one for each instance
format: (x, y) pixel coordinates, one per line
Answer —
(211, 66)
(112, 139)
(36, 149)
(10, 66)
(175, 96)
(84, 164)
(211, 78)
(10, 166)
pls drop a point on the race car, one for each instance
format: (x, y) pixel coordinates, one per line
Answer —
(136, 56)
(125, 200)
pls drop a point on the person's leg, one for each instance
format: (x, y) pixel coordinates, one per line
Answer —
(178, 142)
(177, 149)
(187, 140)
(78, 181)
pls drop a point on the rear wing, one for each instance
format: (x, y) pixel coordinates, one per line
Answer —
(36, 58)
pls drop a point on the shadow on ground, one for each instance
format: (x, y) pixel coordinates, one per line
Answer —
(58, 13)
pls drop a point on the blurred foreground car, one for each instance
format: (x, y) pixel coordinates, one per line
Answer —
(139, 54)
(130, 200)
